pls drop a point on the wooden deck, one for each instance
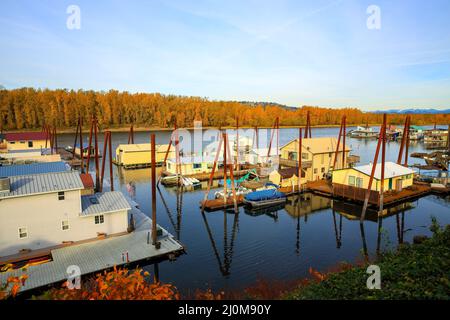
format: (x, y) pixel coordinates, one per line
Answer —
(325, 188)
(218, 204)
(99, 255)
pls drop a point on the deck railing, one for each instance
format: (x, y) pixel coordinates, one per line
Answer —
(294, 163)
(355, 193)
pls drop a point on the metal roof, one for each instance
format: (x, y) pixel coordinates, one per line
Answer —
(391, 170)
(102, 203)
(142, 147)
(43, 183)
(319, 145)
(25, 136)
(32, 168)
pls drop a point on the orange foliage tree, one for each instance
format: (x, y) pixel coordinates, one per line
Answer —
(118, 284)
(12, 287)
(28, 108)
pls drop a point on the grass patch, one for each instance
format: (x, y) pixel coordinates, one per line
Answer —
(417, 271)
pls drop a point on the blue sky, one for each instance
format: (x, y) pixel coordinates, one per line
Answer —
(293, 52)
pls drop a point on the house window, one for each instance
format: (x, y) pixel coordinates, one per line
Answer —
(359, 182)
(65, 224)
(315, 171)
(61, 195)
(351, 181)
(197, 165)
(292, 155)
(12, 142)
(323, 170)
(304, 156)
(169, 166)
(23, 233)
(99, 219)
(30, 144)
(22, 142)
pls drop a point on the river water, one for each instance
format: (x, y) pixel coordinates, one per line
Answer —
(230, 252)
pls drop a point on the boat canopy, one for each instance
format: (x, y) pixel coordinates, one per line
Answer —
(264, 195)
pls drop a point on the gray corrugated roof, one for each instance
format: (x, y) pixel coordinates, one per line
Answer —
(32, 168)
(43, 183)
(107, 202)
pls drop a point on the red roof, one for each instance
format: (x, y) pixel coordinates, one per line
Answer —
(23, 136)
(86, 178)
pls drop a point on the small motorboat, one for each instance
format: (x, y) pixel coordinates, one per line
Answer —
(171, 180)
(265, 198)
(239, 191)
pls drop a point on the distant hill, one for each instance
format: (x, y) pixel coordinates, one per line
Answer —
(414, 111)
(267, 104)
(2, 87)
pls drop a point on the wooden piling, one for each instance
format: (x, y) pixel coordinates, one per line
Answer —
(299, 155)
(153, 182)
(374, 165)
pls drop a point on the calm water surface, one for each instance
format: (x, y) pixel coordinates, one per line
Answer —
(228, 251)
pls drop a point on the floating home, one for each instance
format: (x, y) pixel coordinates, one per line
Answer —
(317, 156)
(396, 177)
(86, 150)
(50, 211)
(139, 155)
(28, 156)
(437, 136)
(192, 165)
(19, 141)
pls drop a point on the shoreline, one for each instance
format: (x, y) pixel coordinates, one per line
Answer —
(154, 129)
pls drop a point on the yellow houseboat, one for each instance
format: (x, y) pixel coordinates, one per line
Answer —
(139, 155)
(396, 177)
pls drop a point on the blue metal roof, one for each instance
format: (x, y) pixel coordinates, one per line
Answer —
(33, 168)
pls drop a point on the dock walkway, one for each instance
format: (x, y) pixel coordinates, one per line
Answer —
(100, 255)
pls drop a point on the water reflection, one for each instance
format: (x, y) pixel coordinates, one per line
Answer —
(228, 246)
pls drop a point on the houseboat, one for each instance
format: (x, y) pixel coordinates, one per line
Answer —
(25, 141)
(415, 133)
(46, 210)
(317, 156)
(436, 136)
(132, 156)
(396, 177)
(363, 133)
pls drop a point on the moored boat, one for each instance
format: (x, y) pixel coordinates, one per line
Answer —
(264, 198)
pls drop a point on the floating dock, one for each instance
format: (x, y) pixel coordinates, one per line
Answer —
(218, 204)
(98, 255)
(325, 188)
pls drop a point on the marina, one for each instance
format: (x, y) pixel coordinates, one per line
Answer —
(319, 195)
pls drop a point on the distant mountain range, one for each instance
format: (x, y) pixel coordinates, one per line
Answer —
(413, 111)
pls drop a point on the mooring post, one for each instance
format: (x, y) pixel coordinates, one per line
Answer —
(88, 159)
(105, 145)
(338, 144)
(225, 142)
(153, 182)
(233, 189)
(402, 145)
(110, 161)
(97, 166)
(81, 145)
(383, 163)
(407, 140)
(211, 176)
(299, 156)
(237, 145)
(374, 165)
(76, 138)
(344, 129)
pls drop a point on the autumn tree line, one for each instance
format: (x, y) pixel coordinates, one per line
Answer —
(29, 108)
